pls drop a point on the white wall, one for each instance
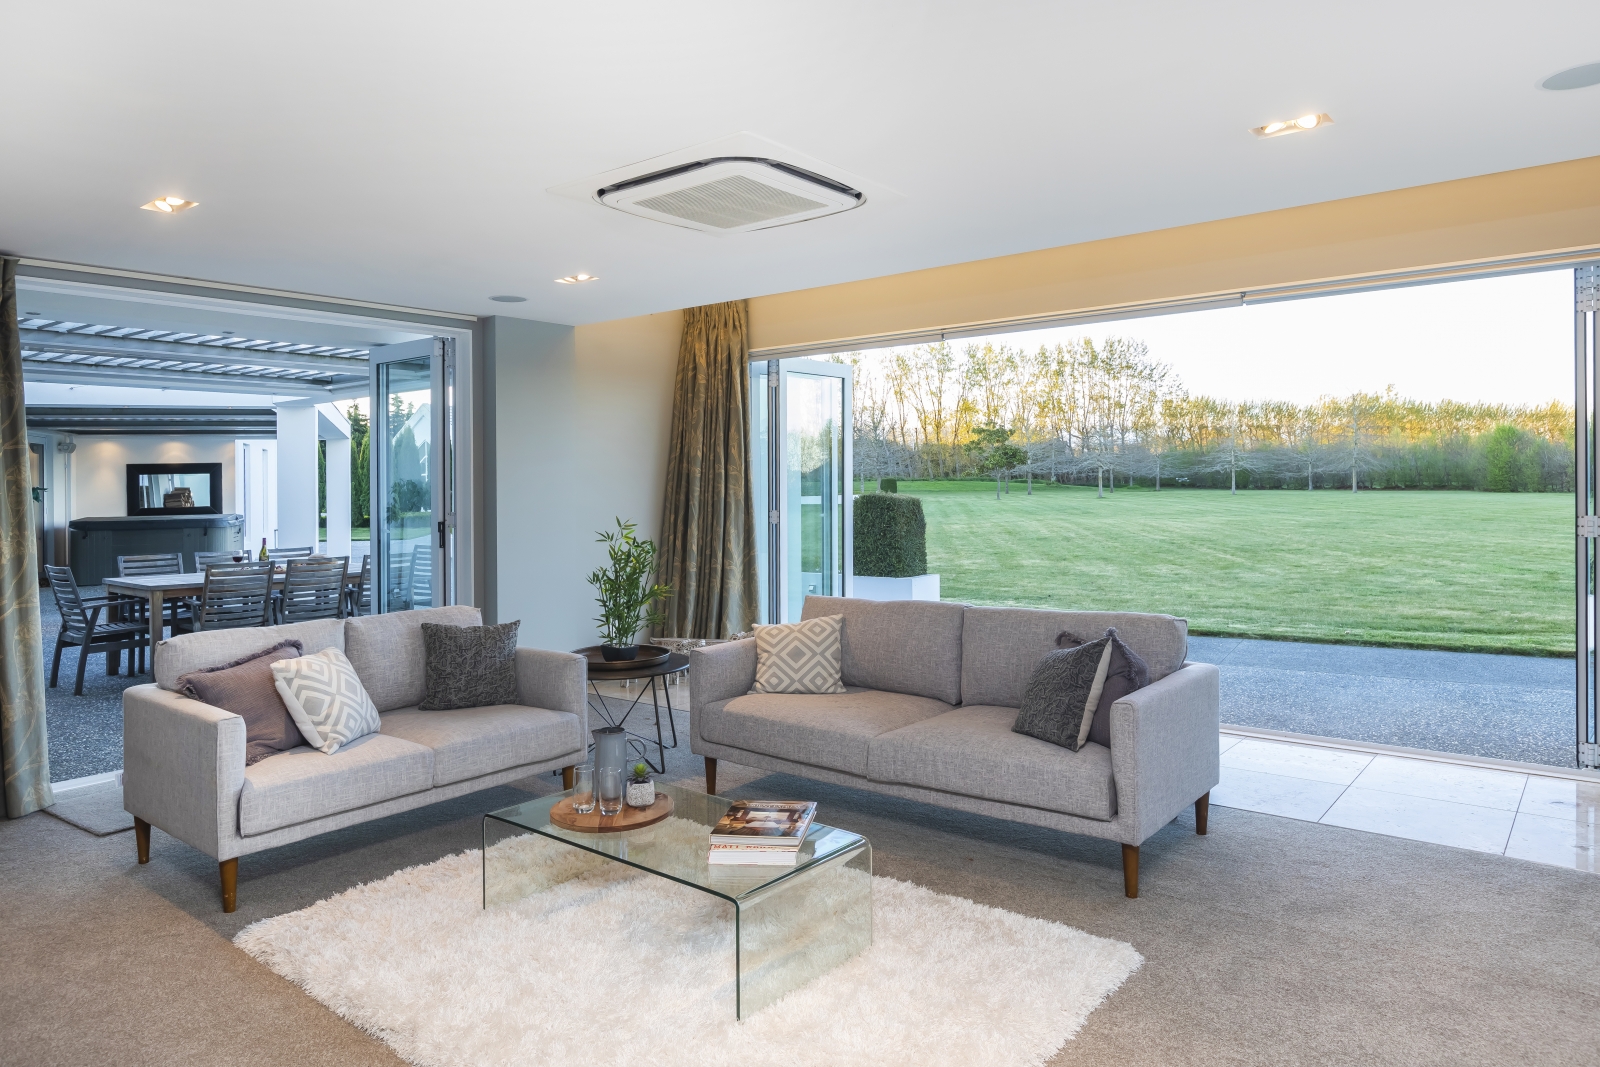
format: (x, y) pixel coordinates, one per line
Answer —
(100, 475)
(577, 437)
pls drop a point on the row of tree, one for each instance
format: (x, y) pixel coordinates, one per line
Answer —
(1099, 412)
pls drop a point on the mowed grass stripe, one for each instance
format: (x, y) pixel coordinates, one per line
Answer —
(1482, 572)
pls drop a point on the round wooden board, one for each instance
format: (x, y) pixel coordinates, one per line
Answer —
(593, 822)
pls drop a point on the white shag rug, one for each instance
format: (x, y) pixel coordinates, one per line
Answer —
(606, 966)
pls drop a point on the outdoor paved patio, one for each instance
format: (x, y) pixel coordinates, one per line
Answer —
(1500, 707)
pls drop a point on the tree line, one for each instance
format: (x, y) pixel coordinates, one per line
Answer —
(1107, 413)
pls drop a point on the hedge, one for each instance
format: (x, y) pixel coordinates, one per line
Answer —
(891, 536)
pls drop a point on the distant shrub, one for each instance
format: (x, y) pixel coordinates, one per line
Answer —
(891, 536)
(888, 485)
(1511, 461)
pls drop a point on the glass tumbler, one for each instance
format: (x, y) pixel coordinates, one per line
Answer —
(608, 782)
(583, 789)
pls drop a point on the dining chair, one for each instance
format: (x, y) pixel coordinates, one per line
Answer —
(361, 595)
(204, 559)
(290, 553)
(234, 595)
(313, 589)
(421, 585)
(81, 627)
(160, 563)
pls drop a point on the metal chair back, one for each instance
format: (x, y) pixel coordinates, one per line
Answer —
(164, 563)
(290, 553)
(235, 594)
(313, 589)
(202, 560)
(69, 601)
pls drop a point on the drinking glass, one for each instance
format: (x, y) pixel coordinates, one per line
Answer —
(583, 789)
(609, 783)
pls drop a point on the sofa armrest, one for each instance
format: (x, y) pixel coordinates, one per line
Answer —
(555, 681)
(183, 767)
(1164, 753)
(717, 672)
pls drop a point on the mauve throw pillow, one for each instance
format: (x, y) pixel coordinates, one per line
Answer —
(245, 687)
(1126, 673)
(469, 666)
(1063, 693)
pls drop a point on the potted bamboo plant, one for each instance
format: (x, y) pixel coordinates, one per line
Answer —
(625, 592)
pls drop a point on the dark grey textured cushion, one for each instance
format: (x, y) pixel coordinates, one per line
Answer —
(1126, 674)
(245, 687)
(469, 666)
(1059, 693)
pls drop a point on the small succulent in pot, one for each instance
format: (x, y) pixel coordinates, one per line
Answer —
(641, 787)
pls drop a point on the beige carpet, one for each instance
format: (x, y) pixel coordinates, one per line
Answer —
(1268, 942)
(631, 968)
(98, 810)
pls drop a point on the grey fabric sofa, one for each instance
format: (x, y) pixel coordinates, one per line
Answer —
(183, 761)
(933, 690)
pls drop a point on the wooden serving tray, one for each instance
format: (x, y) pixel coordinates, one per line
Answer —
(593, 822)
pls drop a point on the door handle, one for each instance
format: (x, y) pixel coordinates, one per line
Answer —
(441, 533)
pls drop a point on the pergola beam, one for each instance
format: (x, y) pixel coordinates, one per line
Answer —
(206, 382)
(120, 347)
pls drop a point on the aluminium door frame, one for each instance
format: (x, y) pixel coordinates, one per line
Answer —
(1586, 499)
(442, 481)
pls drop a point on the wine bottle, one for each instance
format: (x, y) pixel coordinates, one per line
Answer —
(263, 556)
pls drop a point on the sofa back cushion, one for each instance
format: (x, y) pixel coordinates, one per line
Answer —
(388, 654)
(901, 646)
(177, 656)
(1000, 647)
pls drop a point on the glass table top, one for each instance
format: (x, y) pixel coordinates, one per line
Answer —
(678, 847)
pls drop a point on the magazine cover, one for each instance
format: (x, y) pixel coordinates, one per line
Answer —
(764, 822)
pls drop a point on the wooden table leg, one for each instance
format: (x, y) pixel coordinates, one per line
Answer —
(157, 626)
(229, 871)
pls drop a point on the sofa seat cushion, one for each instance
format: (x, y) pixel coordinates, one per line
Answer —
(973, 751)
(469, 742)
(303, 784)
(830, 730)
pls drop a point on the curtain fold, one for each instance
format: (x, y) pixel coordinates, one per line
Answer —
(708, 529)
(23, 749)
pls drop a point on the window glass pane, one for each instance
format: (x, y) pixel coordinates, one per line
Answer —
(814, 487)
(408, 519)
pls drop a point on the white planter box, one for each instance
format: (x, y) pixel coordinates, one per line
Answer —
(921, 587)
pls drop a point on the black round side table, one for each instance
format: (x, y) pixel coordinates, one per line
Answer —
(676, 663)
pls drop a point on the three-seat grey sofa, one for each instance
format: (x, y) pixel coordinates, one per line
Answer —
(183, 760)
(933, 691)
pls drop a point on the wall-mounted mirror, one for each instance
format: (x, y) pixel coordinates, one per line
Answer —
(174, 489)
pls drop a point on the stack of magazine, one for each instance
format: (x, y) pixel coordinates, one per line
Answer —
(762, 832)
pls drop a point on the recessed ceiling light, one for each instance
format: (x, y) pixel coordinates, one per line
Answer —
(574, 279)
(1299, 125)
(1574, 78)
(169, 204)
(508, 299)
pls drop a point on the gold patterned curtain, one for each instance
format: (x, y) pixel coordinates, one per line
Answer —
(708, 530)
(22, 728)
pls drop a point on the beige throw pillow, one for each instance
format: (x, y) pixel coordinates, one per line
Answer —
(800, 657)
(326, 699)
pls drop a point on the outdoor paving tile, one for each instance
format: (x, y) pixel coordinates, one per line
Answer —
(1296, 761)
(1274, 794)
(1570, 842)
(1227, 741)
(1422, 819)
(1560, 798)
(1479, 786)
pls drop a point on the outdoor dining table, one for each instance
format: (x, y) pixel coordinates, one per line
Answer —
(156, 588)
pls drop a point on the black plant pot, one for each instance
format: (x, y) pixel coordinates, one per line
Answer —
(619, 653)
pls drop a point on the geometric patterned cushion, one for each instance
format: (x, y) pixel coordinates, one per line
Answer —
(326, 699)
(800, 657)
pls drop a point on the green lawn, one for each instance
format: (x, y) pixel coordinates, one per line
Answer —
(1483, 572)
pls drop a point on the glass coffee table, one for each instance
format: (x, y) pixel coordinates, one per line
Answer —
(790, 924)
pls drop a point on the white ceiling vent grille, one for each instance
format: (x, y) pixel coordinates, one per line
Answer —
(731, 195)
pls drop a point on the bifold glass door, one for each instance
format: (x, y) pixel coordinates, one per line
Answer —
(1586, 388)
(413, 483)
(800, 429)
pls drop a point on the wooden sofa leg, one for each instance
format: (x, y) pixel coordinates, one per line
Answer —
(711, 775)
(141, 838)
(1202, 810)
(1130, 870)
(229, 869)
(566, 777)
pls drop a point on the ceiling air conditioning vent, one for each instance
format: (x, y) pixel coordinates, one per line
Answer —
(731, 194)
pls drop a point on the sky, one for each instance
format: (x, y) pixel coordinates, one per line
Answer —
(1503, 340)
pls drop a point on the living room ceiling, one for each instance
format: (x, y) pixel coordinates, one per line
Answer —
(407, 153)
